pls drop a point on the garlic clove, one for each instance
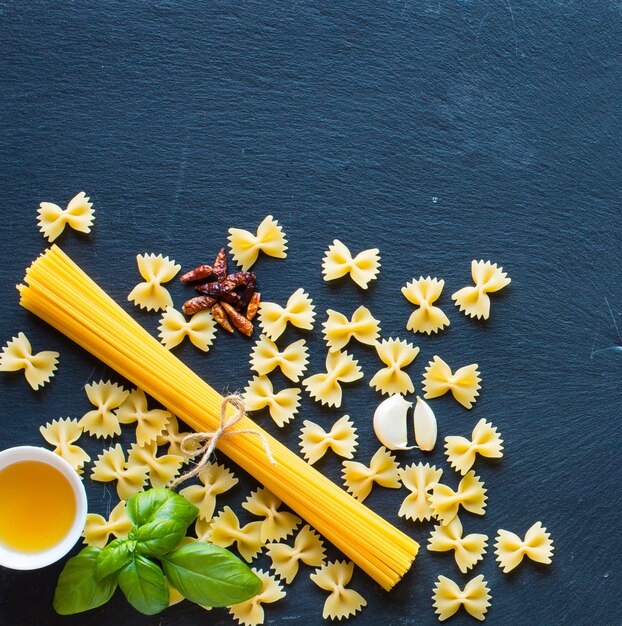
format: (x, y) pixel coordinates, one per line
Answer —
(425, 426)
(390, 423)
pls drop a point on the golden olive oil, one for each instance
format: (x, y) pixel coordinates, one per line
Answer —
(37, 506)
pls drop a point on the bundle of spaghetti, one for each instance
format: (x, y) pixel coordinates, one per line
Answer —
(63, 295)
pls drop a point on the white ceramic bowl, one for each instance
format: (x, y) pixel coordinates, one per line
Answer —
(23, 560)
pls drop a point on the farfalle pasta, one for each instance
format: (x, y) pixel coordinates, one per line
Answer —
(292, 360)
(200, 329)
(38, 368)
(438, 379)
(245, 247)
(299, 311)
(62, 434)
(445, 502)
(282, 405)
(150, 294)
(103, 421)
(510, 548)
(111, 465)
(485, 441)
(339, 330)
(474, 301)
(427, 318)
(215, 479)
(98, 529)
(276, 524)
(468, 549)
(395, 354)
(448, 598)
(251, 612)
(418, 479)
(342, 602)
(150, 423)
(383, 470)
(308, 548)
(162, 469)
(326, 388)
(338, 262)
(315, 441)
(173, 438)
(79, 215)
(225, 530)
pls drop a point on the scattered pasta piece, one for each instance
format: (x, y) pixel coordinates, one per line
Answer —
(510, 548)
(292, 360)
(200, 329)
(203, 530)
(427, 318)
(485, 440)
(282, 405)
(174, 596)
(418, 479)
(383, 470)
(102, 421)
(299, 311)
(341, 602)
(464, 384)
(215, 479)
(155, 270)
(468, 550)
(395, 354)
(225, 530)
(340, 368)
(445, 501)
(474, 301)
(338, 262)
(448, 598)
(111, 465)
(97, 529)
(171, 436)
(150, 423)
(38, 368)
(315, 441)
(62, 434)
(245, 246)
(338, 329)
(162, 469)
(251, 612)
(79, 214)
(308, 548)
(277, 524)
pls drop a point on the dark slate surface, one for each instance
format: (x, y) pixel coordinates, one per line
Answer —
(437, 131)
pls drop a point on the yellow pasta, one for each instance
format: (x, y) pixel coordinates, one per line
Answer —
(150, 294)
(97, 529)
(150, 423)
(448, 598)
(62, 434)
(474, 301)
(510, 548)
(395, 354)
(308, 548)
(426, 318)
(485, 440)
(338, 262)
(79, 214)
(445, 502)
(340, 368)
(468, 550)
(38, 368)
(245, 247)
(173, 438)
(111, 465)
(418, 479)
(338, 329)
(299, 312)
(225, 530)
(342, 602)
(215, 479)
(251, 612)
(282, 405)
(464, 384)
(315, 441)
(292, 360)
(102, 421)
(383, 470)
(200, 329)
(277, 524)
(162, 469)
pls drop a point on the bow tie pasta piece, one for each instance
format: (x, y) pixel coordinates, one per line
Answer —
(427, 318)
(292, 360)
(341, 602)
(418, 479)
(173, 438)
(277, 524)
(150, 423)
(445, 501)
(106, 396)
(468, 550)
(464, 384)
(97, 529)
(245, 247)
(200, 329)
(308, 548)
(62, 434)
(282, 405)
(38, 368)
(215, 479)
(395, 354)
(315, 441)
(448, 598)
(485, 440)
(162, 469)
(338, 262)
(338, 330)
(340, 368)
(79, 214)
(225, 530)
(474, 301)
(510, 549)
(383, 470)
(251, 612)
(111, 465)
(155, 270)
(299, 311)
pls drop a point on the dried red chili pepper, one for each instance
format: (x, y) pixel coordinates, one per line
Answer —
(202, 272)
(216, 288)
(238, 320)
(221, 317)
(253, 305)
(220, 265)
(200, 303)
(233, 299)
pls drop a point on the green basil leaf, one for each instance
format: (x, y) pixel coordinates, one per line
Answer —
(159, 537)
(160, 503)
(77, 590)
(113, 557)
(210, 575)
(144, 586)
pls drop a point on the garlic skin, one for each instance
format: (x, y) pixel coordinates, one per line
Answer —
(390, 423)
(425, 426)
